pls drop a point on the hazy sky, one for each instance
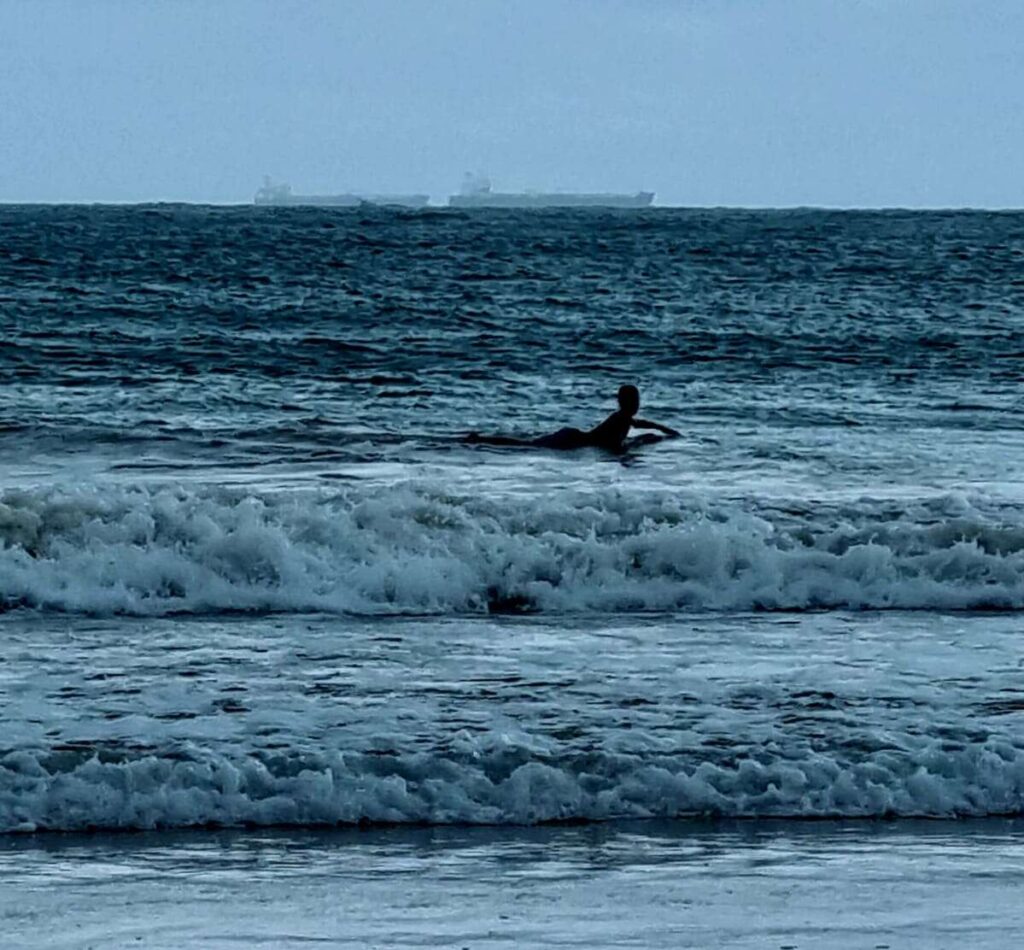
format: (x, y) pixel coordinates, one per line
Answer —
(706, 102)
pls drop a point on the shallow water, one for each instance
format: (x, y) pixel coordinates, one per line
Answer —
(313, 720)
(888, 885)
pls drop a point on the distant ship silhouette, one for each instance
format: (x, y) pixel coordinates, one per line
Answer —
(476, 193)
(280, 194)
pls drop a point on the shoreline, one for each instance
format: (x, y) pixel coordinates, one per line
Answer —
(902, 884)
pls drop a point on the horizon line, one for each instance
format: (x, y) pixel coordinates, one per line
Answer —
(129, 203)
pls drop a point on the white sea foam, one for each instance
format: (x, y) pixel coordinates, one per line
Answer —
(198, 787)
(408, 549)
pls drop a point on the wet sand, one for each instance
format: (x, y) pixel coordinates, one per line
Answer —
(763, 884)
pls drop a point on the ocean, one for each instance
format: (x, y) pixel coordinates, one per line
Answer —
(263, 606)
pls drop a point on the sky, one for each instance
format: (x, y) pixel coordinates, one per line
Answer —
(842, 103)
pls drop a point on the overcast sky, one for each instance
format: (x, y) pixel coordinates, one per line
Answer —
(705, 102)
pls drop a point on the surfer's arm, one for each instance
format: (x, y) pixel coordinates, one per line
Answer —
(645, 424)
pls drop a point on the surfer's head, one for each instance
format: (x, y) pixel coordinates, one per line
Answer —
(629, 399)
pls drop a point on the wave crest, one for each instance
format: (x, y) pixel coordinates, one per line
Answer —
(197, 788)
(412, 549)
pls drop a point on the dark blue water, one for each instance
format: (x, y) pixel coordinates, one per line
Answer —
(264, 335)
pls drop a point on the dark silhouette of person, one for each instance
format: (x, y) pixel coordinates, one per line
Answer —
(609, 435)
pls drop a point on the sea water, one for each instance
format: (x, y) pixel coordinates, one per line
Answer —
(251, 574)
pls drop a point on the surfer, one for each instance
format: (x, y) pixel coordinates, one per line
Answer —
(609, 435)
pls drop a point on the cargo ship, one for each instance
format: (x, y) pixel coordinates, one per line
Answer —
(271, 194)
(476, 193)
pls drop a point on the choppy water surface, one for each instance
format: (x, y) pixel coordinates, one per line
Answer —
(251, 573)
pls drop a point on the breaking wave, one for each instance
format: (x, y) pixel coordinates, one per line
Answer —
(416, 549)
(70, 791)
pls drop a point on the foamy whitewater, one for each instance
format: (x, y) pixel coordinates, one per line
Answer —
(408, 548)
(251, 574)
